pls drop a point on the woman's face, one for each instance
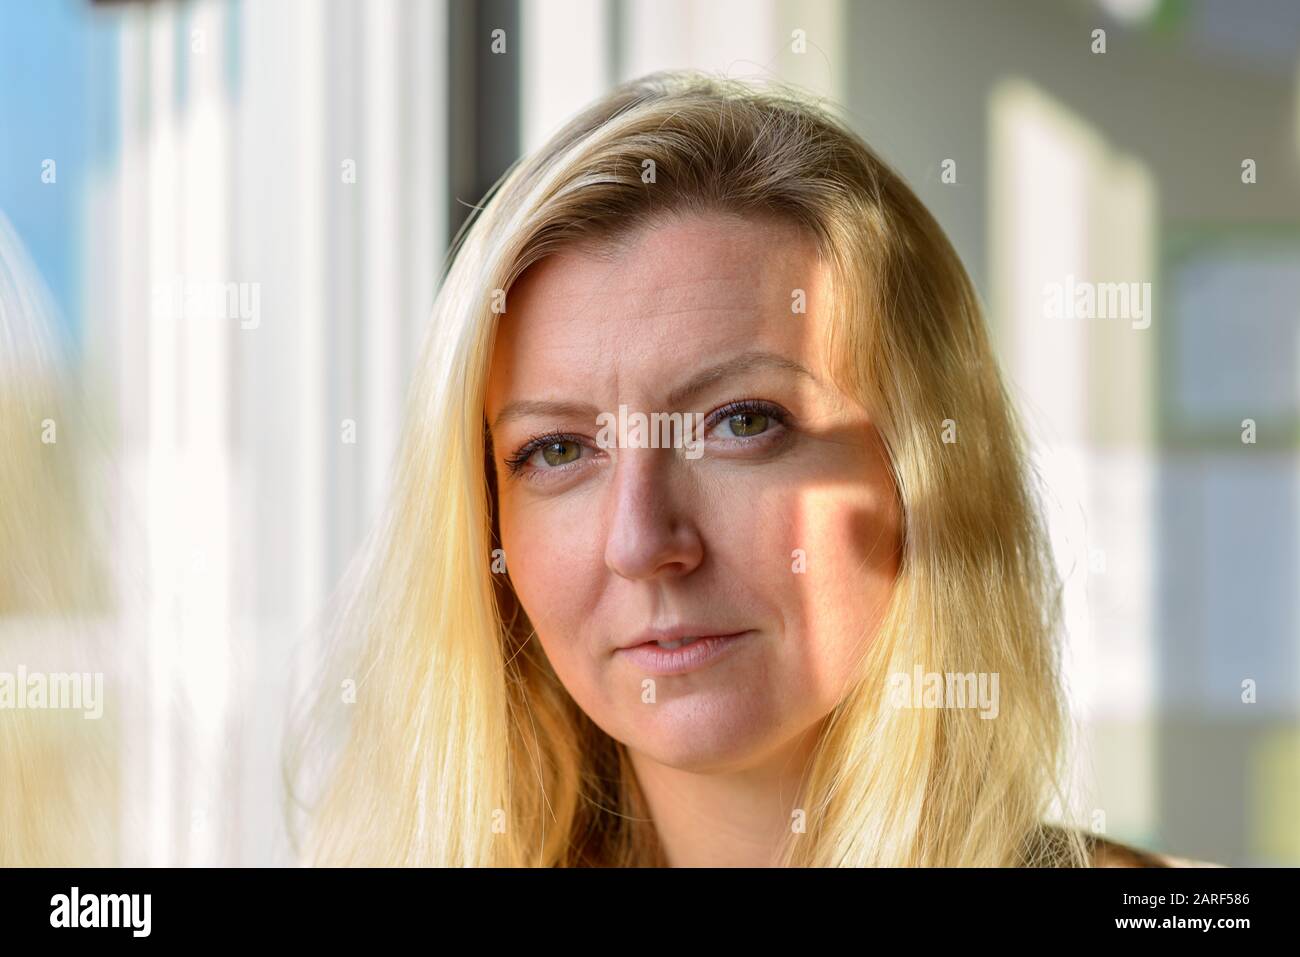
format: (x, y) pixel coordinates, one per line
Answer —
(777, 523)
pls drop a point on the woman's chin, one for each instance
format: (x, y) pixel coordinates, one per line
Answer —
(703, 741)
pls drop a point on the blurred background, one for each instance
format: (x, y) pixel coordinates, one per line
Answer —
(315, 157)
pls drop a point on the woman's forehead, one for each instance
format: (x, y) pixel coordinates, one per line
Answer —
(692, 288)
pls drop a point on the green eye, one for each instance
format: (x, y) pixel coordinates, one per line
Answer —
(744, 424)
(555, 453)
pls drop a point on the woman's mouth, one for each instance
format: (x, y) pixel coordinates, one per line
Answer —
(675, 656)
(675, 644)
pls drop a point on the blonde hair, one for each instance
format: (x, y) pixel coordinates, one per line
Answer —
(463, 748)
(56, 768)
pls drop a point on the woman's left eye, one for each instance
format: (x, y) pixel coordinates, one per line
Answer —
(747, 419)
(746, 424)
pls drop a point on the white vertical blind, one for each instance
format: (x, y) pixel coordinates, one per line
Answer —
(1065, 204)
(565, 59)
(233, 522)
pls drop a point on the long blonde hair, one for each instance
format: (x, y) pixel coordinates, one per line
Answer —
(56, 768)
(463, 748)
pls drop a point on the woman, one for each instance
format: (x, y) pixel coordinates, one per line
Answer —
(806, 617)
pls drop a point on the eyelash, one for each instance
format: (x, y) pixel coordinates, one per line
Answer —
(515, 463)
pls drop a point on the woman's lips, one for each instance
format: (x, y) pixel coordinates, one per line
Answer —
(653, 659)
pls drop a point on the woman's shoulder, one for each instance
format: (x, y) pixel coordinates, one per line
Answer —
(1108, 853)
(1058, 843)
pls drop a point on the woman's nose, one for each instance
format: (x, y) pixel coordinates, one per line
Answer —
(652, 519)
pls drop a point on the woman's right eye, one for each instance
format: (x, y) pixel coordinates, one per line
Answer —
(545, 453)
(560, 453)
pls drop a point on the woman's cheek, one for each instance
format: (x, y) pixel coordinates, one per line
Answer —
(549, 559)
(542, 578)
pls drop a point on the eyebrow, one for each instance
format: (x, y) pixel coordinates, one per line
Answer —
(736, 365)
(522, 408)
(745, 362)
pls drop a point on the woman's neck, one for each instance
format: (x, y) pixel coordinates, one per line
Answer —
(732, 818)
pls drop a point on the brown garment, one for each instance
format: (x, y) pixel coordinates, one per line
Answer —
(1108, 853)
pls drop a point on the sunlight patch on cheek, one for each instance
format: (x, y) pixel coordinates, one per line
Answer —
(844, 565)
(836, 527)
